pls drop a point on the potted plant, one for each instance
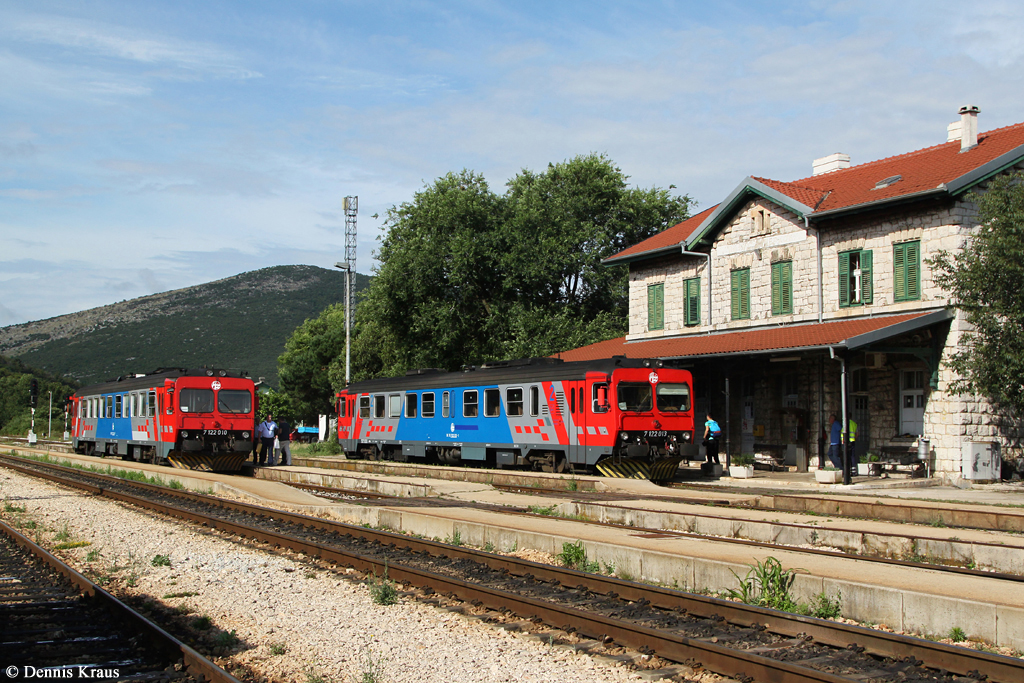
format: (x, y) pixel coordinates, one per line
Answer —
(742, 466)
(829, 475)
(869, 465)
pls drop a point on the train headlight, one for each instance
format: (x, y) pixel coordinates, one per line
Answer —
(245, 435)
(687, 436)
(624, 436)
(184, 434)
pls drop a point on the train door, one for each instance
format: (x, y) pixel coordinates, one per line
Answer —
(578, 411)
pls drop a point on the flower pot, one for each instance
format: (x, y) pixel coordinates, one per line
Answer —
(741, 471)
(828, 476)
(869, 469)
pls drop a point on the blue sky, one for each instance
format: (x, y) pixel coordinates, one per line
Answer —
(147, 146)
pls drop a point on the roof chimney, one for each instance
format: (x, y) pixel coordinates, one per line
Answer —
(833, 162)
(968, 127)
(953, 132)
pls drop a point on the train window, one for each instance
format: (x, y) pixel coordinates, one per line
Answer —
(583, 402)
(600, 398)
(492, 402)
(514, 402)
(428, 404)
(364, 407)
(572, 400)
(234, 401)
(470, 403)
(109, 407)
(378, 405)
(118, 405)
(673, 398)
(152, 404)
(445, 404)
(196, 400)
(534, 401)
(395, 405)
(634, 397)
(342, 405)
(411, 401)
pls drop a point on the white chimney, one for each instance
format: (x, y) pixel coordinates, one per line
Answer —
(833, 162)
(968, 127)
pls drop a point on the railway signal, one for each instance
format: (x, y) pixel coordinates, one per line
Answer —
(33, 399)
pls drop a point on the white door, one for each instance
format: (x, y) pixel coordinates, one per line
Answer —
(912, 402)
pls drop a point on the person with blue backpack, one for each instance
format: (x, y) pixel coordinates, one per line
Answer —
(712, 435)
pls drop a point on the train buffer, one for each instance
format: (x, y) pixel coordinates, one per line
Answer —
(638, 468)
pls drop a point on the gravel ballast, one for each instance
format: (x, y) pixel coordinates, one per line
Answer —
(293, 621)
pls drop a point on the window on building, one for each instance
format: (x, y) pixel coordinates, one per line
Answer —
(782, 288)
(470, 403)
(492, 402)
(378, 405)
(859, 380)
(855, 278)
(762, 222)
(656, 306)
(428, 404)
(906, 263)
(514, 401)
(534, 401)
(411, 402)
(912, 400)
(790, 390)
(364, 407)
(445, 404)
(691, 302)
(740, 293)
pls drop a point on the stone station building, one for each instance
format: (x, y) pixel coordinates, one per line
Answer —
(786, 293)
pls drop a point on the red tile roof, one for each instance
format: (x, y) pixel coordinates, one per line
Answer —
(799, 336)
(919, 171)
(669, 237)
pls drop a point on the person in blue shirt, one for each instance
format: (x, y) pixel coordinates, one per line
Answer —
(712, 434)
(834, 441)
(267, 431)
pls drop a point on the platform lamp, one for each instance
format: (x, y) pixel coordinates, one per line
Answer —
(348, 319)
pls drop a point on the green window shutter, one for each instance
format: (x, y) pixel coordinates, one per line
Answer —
(913, 260)
(844, 279)
(656, 307)
(899, 274)
(787, 288)
(692, 303)
(865, 276)
(734, 290)
(776, 288)
(745, 293)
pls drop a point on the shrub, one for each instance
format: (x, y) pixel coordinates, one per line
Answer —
(766, 584)
(574, 556)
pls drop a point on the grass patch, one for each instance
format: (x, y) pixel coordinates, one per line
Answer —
(63, 534)
(574, 556)
(957, 635)
(226, 639)
(182, 594)
(161, 561)
(69, 545)
(202, 623)
(93, 555)
(766, 584)
(278, 649)
(548, 511)
(373, 668)
(383, 590)
(455, 538)
(11, 507)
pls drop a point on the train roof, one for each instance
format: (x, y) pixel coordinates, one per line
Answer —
(150, 380)
(501, 372)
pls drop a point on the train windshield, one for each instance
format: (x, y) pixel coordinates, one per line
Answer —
(196, 400)
(673, 398)
(634, 397)
(234, 401)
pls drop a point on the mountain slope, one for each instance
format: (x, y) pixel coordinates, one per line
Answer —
(240, 323)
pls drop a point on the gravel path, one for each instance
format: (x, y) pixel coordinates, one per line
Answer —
(293, 621)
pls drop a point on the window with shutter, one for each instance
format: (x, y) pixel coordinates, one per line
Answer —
(865, 276)
(844, 279)
(782, 288)
(740, 290)
(907, 271)
(656, 306)
(692, 302)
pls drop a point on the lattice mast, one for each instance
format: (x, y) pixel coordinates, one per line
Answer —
(351, 205)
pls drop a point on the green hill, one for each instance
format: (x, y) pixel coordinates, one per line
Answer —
(240, 323)
(15, 416)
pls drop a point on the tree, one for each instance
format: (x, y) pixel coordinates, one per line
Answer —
(984, 281)
(467, 275)
(312, 355)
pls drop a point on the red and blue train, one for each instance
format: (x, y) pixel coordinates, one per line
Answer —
(193, 419)
(619, 416)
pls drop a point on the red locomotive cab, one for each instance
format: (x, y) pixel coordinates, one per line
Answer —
(212, 413)
(654, 411)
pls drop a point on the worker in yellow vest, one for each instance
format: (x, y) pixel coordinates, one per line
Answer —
(851, 442)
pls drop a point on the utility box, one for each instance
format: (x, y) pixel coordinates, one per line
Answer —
(981, 461)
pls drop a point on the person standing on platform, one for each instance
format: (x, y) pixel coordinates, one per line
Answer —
(835, 432)
(712, 435)
(267, 431)
(851, 442)
(284, 437)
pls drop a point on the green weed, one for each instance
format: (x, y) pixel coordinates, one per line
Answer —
(574, 556)
(93, 555)
(825, 607)
(183, 594)
(766, 584)
(161, 561)
(455, 538)
(277, 649)
(538, 510)
(202, 623)
(226, 639)
(63, 534)
(488, 547)
(382, 590)
(957, 635)
(373, 668)
(71, 544)
(11, 507)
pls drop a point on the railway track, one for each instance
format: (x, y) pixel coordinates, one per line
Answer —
(748, 643)
(59, 624)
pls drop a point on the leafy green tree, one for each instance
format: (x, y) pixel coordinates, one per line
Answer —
(984, 280)
(276, 403)
(305, 368)
(467, 275)
(15, 415)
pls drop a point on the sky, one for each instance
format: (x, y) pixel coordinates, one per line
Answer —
(148, 146)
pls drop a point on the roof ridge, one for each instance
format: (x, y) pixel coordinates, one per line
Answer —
(788, 183)
(905, 155)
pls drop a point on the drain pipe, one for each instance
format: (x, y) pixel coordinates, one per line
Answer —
(817, 245)
(842, 393)
(708, 257)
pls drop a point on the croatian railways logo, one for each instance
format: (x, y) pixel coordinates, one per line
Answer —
(216, 385)
(653, 378)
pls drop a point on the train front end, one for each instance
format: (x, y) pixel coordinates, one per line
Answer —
(212, 421)
(653, 412)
